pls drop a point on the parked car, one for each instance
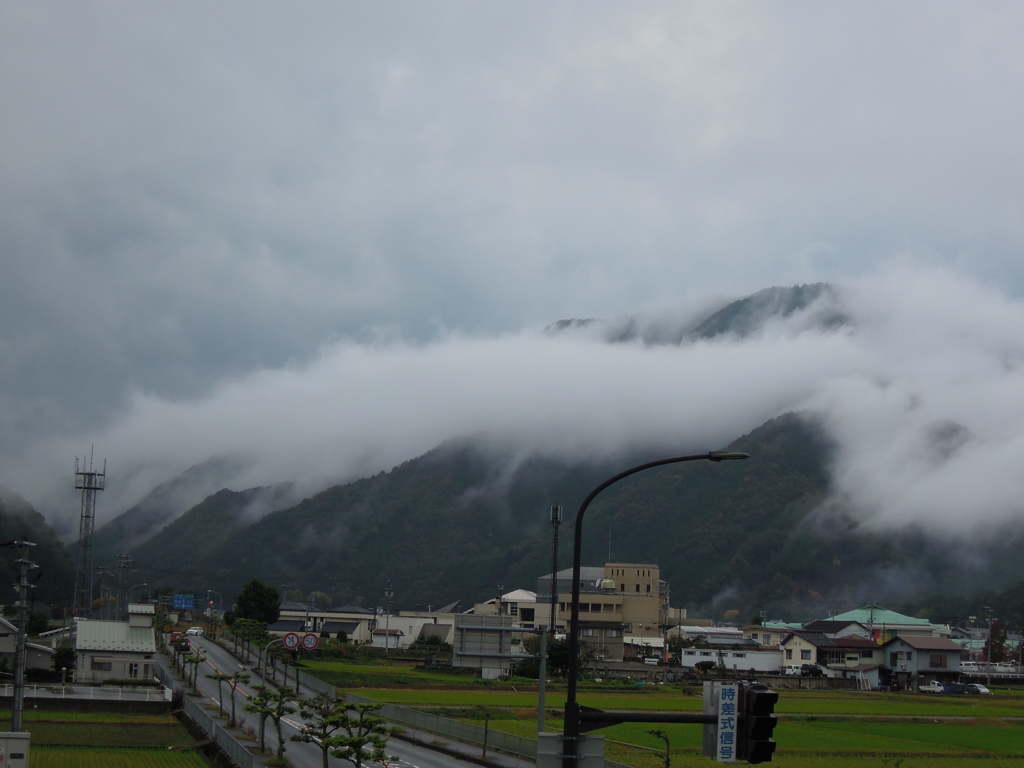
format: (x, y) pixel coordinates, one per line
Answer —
(793, 669)
(194, 632)
(978, 688)
(933, 687)
(811, 670)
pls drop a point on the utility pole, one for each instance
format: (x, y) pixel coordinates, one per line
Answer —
(501, 588)
(103, 571)
(124, 563)
(388, 594)
(24, 566)
(556, 519)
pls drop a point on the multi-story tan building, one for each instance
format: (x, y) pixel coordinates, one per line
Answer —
(622, 606)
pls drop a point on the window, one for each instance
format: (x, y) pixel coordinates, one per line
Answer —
(627, 627)
(705, 653)
(910, 655)
(866, 654)
(100, 666)
(648, 589)
(637, 587)
(584, 607)
(805, 655)
(739, 655)
(146, 673)
(513, 609)
(614, 633)
(133, 670)
(527, 614)
(608, 608)
(689, 653)
(587, 631)
(937, 660)
(622, 587)
(753, 636)
(789, 654)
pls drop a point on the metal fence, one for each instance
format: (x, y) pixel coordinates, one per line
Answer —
(520, 746)
(456, 729)
(231, 746)
(316, 683)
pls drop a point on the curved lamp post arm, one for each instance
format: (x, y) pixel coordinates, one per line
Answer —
(571, 730)
(266, 648)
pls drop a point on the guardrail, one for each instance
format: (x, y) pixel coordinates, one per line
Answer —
(520, 746)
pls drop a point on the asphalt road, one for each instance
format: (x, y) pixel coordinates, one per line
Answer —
(301, 755)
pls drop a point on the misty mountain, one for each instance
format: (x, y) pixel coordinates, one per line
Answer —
(458, 521)
(819, 302)
(55, 579)
(167, 501)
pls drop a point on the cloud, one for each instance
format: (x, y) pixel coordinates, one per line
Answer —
(922, 401)
(198, 206)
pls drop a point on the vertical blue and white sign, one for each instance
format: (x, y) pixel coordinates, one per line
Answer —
(728, 697)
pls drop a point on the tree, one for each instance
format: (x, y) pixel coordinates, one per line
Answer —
(64, 658)
(221, 678)
(249, 630)
(363, 730)
(259, 602)
(276, 705)
(663, 735)
(38, 623)
(260, 705)
(194, 660)
(324, 716)
(320, 599)
(161, 625)
(238, 678)
(995, 646)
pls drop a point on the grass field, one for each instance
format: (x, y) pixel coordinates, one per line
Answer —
(108, 740)
(85, 757)
(846, 729)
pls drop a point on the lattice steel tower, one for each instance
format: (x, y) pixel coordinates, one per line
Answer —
(88, 482)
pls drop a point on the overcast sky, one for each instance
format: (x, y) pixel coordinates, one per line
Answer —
(237, 217)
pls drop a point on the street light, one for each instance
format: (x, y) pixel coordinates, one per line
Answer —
(143, 584)
(571, 730)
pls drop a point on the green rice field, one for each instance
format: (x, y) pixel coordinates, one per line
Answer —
(85, 757)
(846, 729)
(87, 739)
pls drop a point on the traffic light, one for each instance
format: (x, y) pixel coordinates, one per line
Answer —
(756, 744)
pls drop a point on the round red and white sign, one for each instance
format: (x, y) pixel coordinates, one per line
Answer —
(310, 641)
(290, 641)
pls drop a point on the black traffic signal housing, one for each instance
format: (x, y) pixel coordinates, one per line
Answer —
(755, 743)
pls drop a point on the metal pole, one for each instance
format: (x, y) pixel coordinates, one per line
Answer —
(556, 519)
(571, 730)
(19, 651)
(542, 678)
(388, 594)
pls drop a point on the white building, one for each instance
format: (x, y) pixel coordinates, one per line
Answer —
(116, 650)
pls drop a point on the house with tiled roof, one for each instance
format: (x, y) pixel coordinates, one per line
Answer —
(838, 628)
(918, 659)
(803, 647)
(884, 625)
(361, 621)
